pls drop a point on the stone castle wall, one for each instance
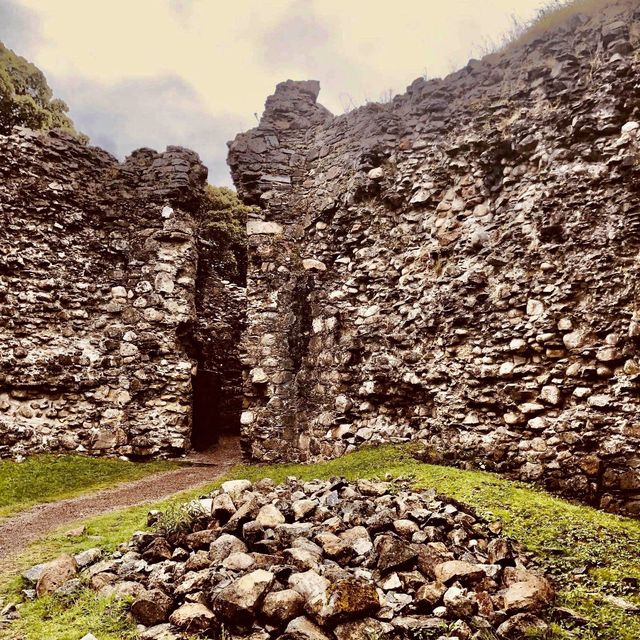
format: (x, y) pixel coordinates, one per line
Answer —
(459, 266)
(99, 326)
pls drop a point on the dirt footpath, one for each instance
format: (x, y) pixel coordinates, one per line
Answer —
(18, 531)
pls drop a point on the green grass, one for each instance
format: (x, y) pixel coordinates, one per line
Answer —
(46, 478)
(588, 553)
(64, 618)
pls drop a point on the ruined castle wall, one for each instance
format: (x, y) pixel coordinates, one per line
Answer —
(459, 266)
(98, 269)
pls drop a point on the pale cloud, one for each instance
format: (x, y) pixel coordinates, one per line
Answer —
(150, 112)
(19, 26)
(224, 58)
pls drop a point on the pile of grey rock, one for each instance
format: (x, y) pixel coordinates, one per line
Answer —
(320, 560)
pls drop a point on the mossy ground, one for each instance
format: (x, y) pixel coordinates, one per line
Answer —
(590, 554)
(46, 478)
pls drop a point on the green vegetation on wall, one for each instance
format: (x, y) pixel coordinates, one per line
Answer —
(26, 98)
(223, 229)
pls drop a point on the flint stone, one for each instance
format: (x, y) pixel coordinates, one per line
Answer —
(270, 516)
(54, 574)
(235, 488)
(153, 608)
(32, 575)
(159, 632)
(303, 629)
(223, 506)
(312, 587)
(193, 617)
(522, 626)
(238, 562)
(457, 570)
(393, 553)
(282, 606)
(158, 551)
(88, 557)
(302, 508)
(429, 595)
(459, 603)
(239, 602)
(224, 546)
(530, 595)
(351, 598)
(364, 630)
(256, 227)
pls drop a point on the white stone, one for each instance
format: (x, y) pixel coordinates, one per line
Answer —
(343, 403)
(601, 401)
(551, 394)
(128, 349)
(506, 369)
(316, 265)
(422, 195)
(164, 283)
(167, 212)
(518, 344)
(256, 227)
(535, 308)
(258, 376)
(270, 516)
(376, 174)
(565, 324)
(311, 586)
(608, 354)
(118, 292)
(238, 561)
(573, 340)
(392, 582)
(247, 417)
(630, 126)
(235, 488)
(530, 407)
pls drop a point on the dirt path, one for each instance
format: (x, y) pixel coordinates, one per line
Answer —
(18, 531)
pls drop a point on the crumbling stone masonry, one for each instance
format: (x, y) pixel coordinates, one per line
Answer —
(459, 266)
(107, 315)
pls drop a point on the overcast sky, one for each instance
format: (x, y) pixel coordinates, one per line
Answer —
(195, 72)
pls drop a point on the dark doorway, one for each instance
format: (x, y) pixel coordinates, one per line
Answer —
(206, 410)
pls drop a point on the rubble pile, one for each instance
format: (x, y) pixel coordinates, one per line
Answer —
(320, 560)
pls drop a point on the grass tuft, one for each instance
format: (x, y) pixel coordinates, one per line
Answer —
(57, 618)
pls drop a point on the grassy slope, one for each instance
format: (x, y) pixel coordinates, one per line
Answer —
(589, 553)
(46, 478)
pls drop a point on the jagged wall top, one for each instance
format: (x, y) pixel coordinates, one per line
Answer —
(458, 266)
(97, 284)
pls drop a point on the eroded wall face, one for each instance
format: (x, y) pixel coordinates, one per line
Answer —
(459, 267)
(98, 272)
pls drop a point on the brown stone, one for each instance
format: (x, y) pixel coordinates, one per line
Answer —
(55, 574)
(193, 617)
(153, 608)
(458, 571)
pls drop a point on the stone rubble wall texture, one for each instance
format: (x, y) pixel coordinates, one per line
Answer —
(458, 266)
(98, 297)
